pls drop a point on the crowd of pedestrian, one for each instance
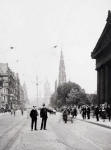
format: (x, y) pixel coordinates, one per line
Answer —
(69, 112)
(100, 112)
(87, 112)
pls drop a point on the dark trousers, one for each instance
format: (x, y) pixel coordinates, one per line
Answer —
(84, 116)
(88, 115)
(97, 117)
(109, 117)
(34, 123)
(43, 123)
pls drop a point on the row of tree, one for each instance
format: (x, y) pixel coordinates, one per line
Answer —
(71, 93)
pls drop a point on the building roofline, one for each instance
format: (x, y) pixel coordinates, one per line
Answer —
(98, 50)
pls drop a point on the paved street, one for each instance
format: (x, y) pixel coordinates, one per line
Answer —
(15, 133)
(10, 126)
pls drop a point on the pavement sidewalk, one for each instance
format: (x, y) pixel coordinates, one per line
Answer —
(4, 114)
(18, 112)
(105, 124)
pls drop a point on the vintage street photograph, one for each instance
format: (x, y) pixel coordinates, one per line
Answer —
(55, 74)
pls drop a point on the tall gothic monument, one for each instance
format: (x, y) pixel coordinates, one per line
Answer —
(62, 73)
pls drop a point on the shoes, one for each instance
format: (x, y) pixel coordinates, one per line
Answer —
(44, 129)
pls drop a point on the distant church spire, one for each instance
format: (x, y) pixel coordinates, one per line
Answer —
(55, 85)
(62, 73)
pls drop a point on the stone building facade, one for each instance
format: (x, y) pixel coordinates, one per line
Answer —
(102, 54)
(22, 98)
(9, 88)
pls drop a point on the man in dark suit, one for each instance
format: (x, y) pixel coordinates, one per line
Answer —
(33, 115)
(43, 115)
(88, 112)
(84, 112)
(97, 112)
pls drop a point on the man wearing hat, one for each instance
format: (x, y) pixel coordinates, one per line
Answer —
(43, 115)
(33, 115)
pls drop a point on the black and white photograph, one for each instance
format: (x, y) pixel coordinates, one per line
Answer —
(55, 74)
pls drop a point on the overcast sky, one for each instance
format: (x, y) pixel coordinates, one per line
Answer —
(33, 27)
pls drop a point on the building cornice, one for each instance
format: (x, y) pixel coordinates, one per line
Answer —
(104, 39)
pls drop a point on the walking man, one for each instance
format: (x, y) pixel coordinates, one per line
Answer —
(108, 110)
(43, 115)
(33, 115)
(84, 112)
(88, 112)
(97, 113)
(74, 112)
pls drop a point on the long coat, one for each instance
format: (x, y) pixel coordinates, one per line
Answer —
(43, 113)
(33, 114)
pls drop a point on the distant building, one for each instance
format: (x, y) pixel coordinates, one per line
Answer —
(22, 98)
(102, 54)
(9, 88)
(62, 73)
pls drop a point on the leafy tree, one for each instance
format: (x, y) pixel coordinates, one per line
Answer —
(69, 93)
(78, 97)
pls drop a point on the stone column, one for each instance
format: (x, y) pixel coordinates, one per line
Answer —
(106, 83)
(98, 85)
(102, 92)
(109, 84)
